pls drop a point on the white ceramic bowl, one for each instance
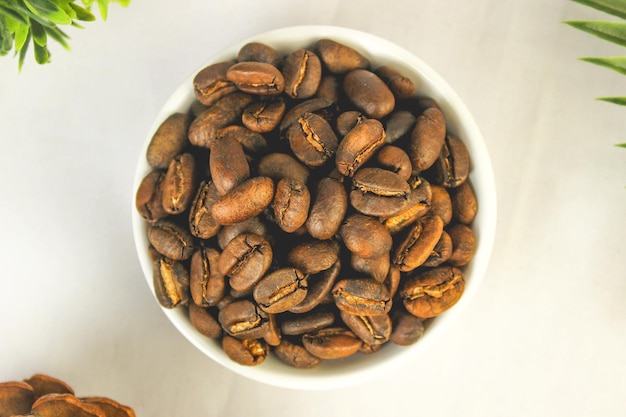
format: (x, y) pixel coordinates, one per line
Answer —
(358, 368)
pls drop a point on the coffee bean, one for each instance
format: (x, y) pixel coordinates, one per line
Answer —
(372, 330)
(376, 268)
(395, 159)
(245, 260)
(407, 329)
(312, 105)
(314, 256)
(171, 240)
(427, 139)
(365, 236)
(248, 352)
(257, 78)
(418, 205)
(401, 86)
(307, 323)
(331, 343)
(295, 355)
(433, 291)
(379, 192)
(463, 244)
(329, 88)
(328, 209)
(228, 164)
(201, 221)
(260, 52)
(204, 322)
(340, 58)
(399, 123)
(312, 140)
(171, 282)
(207, 283)
(179, 185)
(319, 287)
(419, 243)
(441, 203)
(464, 205)
(280, 290)
(362, 296)
(368, 93)
(263, 116)
(302, 71)
(253, 143)
(359, 145)
(246, 200)
(252, 225)
(168, 141)
(211, 84)
(243, 319)
(282, 165)
(441, 252)
(452, 165)
(149, 197)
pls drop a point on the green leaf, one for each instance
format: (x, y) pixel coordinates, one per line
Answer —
(103, 6)
(22, 55)
(39, 34)
(13, 14)
(616, 63)
(82, 13)
(123, 3)
(611, 31)
(59, 36)
(614, 7)
(42, 55)
(6, 40)
(49, 10)
(21, 37)
(615, 100)
(621, 145)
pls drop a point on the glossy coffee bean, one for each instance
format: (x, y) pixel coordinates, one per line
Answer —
(319, 287)
(433, 291)
(407, 329)
(260, 52)
(245, 260)
(347, 120)
(201, 221)
(441, 252)
(247, 352)
(379, 192)
(328, 209)
(171, 240)
(16, 398)
(365, 236)
(362, 296)
(280, 290)
(418, 205)
(402, 87)
(291, 204)
(339, 58)
(295, 355)
(369, 93)
(229, 165)
(307, 323)
(395, 159)
(149, 197)
(464, 204)
(452, 165)
(376, 268)
(372, 330)
(272, 336)
(171, 282)
(207, 283)
(314, 256)
(243, 319)
(418, 243)
(331, 343)
(257, 78)
(211, 84)
(399, 123)
(252, 225)
(313, 105)
(278, 165)
(359, 145)
(204, 322)
(441, 203)
(427, 139)
(168, 141)
(302, 70)
(179, 185)
(263, 116)
(312, 140)
(246, 200)
(463, 244)
(329, 88)
(253, 143)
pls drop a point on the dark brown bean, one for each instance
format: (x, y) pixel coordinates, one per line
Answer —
(463, 244)
(407, 329)
(281, 165)
(149, 197)
(171, 282)
(245, 260)
(328, 209)
(452, 165)
(253, 143)
(395, 159)
(229, 165)
(419, 243)
(376, 268)
(427, 139)
(201, 221)
(347, 120)
(171, 240)
(372, 330)
(280, 290)
(207, 283)
(369, 93)
(247, 200)
(16, 398)
(464, 204)
(433, 291)
(44, 384)
(365, 236)
(272, 336)
(340, 58)
(168, 141)
(251, 225)
(362, 296)
(307, 323)
(65, 405)
(441, 203)
(319, 287)
(398, 124)
(295, 355)
(243, 319)
(260, 52)
(359, 145)
(210, 84)
(331, 343)
(291, 204)
(329, 88)
(441, 253)
(417, 206)
(402, 87)
(302, 70)
(179, 185)
(314, 256)
(379, 192)
(263, 116)
(247, 352)
(257, 78)
(312, 140)
(204, 322)
(312, 105)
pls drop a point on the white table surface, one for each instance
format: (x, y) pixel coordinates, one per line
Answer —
(546, 334)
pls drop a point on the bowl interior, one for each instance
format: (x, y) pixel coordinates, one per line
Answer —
(358, 368)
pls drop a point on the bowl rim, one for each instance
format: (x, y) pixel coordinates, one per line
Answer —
(346, 372)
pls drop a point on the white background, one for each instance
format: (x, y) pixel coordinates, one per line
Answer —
(546, 334)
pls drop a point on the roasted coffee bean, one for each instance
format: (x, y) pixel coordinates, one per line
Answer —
(211, 84)
(111, 408)
(45, 384)
(207, 283)
(149, 197)
(246, 200)
(201, 221)
(253, 143)
(379, 192)
(179, 185)
(331, 343)
(365, 236)
(248, 352)
(245, 260)
(307, 323)
(319, 287)
(369, 93)
(64, 405)
(295, 355)
(452, 165)
(314, 256)
(168, 141)
(464, 204)
(16, 398)
(399, 123)
(312, 105)
(229, 165)
(441, 253)
(329, 88)
(407, 329)
(260, 52)
(257, 78)
(418, 205)
(205, 128)
(171, 282)
(347, 120)
(251, 225)
(312, 140)
(392, 281)
(291, 204)
(339, 58)
(372, 330)
(361, 296)
(272, 336)
(171, 240)
(401, 86)
(282, 165)
(441, 203)
(263, 116)
(302, 70)
(280, 290)
(395, 159)
(359, 145)
(427, 139)
(204, 322)
(433, 291)
(376, 268)
(463, 244)
(243, 319)
(328, 209)
(419, 243)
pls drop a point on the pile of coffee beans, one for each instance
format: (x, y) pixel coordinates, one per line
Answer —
(308, 204)
(45, 396)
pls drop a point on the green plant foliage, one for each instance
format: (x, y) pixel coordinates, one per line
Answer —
(609, 31)
(34, 22)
